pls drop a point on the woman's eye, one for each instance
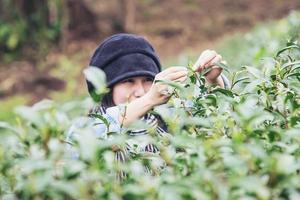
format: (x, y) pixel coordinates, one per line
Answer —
(128, 81)
(149, 80)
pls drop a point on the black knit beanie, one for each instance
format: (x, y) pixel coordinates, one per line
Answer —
(123, 56)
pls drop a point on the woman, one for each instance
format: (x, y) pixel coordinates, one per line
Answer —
(131, 66)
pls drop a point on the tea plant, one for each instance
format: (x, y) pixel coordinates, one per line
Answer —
(236, 143)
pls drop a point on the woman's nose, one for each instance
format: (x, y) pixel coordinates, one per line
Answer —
(139, 90)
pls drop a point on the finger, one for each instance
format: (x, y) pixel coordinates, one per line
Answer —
(199, 61)
(207, 60)
(170, 70)
(182, 79)
(204, 58)
(218, 58)
(172, 73)
(176, 69)
(213, 74)
(176, 75)
(205, 66)
(215, 70)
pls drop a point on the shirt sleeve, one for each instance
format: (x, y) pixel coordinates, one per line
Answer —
(112, 116)
(72, 135)
(108, 122)
(226, 82)
(99, 127)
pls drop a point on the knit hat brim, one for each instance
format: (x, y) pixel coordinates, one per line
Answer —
(130, 65)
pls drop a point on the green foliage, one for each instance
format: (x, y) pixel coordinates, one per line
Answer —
(34, 24)
(97, 77)
(263, 41)
(236, 143)
(248, 49)
(8, 105)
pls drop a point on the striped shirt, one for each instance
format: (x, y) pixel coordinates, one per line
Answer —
(151, 120)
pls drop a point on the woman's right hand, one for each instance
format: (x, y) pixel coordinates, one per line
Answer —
(158, 93)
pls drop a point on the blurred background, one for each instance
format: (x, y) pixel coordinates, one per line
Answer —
(45, 44)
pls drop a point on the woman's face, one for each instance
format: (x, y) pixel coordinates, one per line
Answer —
(131, 88)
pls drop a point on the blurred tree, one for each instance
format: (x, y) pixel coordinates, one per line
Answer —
(36, 24)
(81, 18)
(128, 7)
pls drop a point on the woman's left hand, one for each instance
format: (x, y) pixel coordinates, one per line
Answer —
(206, 60)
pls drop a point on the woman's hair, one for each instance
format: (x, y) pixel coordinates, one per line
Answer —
(107, 100)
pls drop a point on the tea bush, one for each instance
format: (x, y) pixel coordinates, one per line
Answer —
(265, 40)
(236, 143)
(248, 48)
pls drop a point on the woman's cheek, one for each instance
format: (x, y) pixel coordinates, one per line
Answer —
(121, 95)
(148, 86)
